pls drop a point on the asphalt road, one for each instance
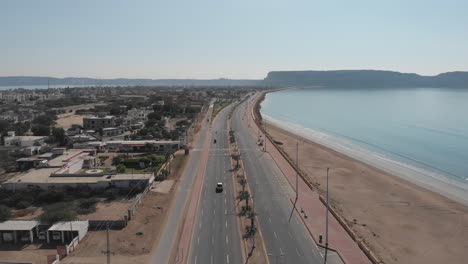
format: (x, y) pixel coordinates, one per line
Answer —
(168, 240)
(216, 237)
(286, 240)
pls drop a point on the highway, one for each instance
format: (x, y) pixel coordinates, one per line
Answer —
(216, 237)
(286, 241)
(169, 237)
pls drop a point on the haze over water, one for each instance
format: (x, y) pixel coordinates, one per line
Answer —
(426, 128)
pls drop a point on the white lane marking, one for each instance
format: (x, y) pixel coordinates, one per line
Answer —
(269, 220)
(225, 211)
(297, 251)
(198, 240)
(281, 251)
(211, 259)
(199, 225)
(214, 211)
(196, 259)
(275, 234)
(225, 223)
(227, 240)
(227, 258)
(290, 234)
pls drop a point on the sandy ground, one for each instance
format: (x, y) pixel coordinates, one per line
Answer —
(128, 245)
(131, 244)
(29, 254)
(400, 221)
(66, 120)
(114, 210)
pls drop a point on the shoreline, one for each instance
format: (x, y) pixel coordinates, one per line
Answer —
(397, 218)
(432, 181)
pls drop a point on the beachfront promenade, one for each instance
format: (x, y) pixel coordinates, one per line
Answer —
(308, 200)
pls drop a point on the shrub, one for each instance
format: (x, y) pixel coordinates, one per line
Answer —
(51, 196)
(5, 213)
(86, 206)
(57, 212)
(121, 168)
(111, 194)
(23, 204)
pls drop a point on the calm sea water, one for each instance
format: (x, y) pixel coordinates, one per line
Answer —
(423, 127)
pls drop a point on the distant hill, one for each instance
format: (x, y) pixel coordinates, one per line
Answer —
(28, 81)
(365, 78)
(342, 78)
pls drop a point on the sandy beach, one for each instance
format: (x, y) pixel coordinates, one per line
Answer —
(400, 221)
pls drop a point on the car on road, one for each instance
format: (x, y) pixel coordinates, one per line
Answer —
(214, 141)
(219, 187)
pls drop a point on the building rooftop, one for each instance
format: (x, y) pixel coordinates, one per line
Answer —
(69, 226)
(97, 117)
(23, 225)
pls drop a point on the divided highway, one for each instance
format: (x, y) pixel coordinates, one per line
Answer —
(168, 240)
(286, 241)
(216, 237)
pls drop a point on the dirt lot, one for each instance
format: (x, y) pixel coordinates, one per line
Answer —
(133, 242)
(30, 254)
(401, 222)
(107, 211)
(67, 120)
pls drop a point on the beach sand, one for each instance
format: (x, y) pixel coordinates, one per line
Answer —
(400, 221)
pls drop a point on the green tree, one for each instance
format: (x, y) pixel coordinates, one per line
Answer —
(46, 120)
(121, 168)
(40, 130)
(59, 135)
(5, 213)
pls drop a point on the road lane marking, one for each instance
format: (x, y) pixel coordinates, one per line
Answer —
(196, 259)
(290, 234)
(275, 234)
(225, 223)
(225, 211)
(227, 258)
(214, 211)
(227, 240)
(198, 240)
(269, 220)
(211, 259)
(297, 251)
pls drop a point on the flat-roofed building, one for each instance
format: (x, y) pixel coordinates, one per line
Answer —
(95, 122)
(15, 231)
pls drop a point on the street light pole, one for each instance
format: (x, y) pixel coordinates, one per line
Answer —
(297, 168)
(326, 228)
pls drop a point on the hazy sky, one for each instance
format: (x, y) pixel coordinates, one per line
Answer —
(233, 39)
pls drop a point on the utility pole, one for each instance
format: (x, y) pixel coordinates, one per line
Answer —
(107, 252)
(297, 168)
(326, 228)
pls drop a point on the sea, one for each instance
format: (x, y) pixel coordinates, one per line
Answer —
(419, 134)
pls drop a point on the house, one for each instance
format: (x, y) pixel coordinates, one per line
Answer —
(113, 131)
(65, 232)
(22, 141)
(15, 231)
(96, 123)
(143, 146)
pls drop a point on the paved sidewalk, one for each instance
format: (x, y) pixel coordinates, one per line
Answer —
(315, 209)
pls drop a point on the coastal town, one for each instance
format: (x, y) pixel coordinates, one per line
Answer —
(79, 161)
